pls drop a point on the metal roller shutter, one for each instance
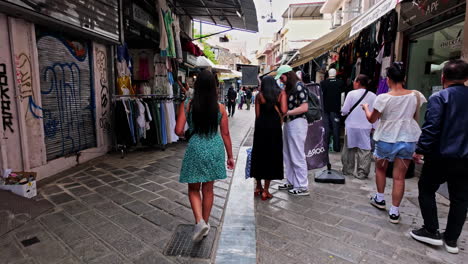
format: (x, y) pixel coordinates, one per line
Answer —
(67, 95)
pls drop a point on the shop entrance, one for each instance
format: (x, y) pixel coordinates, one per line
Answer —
(427, 54)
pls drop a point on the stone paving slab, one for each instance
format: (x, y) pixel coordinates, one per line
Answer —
(113, 210)
(336, 224)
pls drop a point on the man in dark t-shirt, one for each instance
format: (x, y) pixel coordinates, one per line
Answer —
(332, 88)
(231, 95)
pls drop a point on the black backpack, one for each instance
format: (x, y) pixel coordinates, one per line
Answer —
(314, 111)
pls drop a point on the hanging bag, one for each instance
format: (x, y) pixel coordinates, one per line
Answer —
(343, 118)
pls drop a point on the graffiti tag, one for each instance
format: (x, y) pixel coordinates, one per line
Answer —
(7, 116)
(101, 63)
(23, 75)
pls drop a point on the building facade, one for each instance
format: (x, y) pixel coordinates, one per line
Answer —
(56, 70)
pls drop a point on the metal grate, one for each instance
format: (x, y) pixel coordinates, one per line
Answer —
(181, 243)
(67, 96)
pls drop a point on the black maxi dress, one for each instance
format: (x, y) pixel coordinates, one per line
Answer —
(267, 151)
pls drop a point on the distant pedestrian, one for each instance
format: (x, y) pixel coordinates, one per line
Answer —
(396, 136)
(248, 97)
(444, 146)
(231, 97)
(332, 88)
(254, 94)
(267, 151)
(200, 168)
(241, 98)
(357, 144)
(294, 133)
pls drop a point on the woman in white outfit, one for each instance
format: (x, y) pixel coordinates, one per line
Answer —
(294, 133)
(357, 129)
(395, 136)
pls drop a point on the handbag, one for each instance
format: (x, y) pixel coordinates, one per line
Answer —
(248, 163)
(343, 118)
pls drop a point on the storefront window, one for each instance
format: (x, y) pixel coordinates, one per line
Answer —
(427, 55)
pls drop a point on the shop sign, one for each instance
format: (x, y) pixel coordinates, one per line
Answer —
(372, 15)
(452, 44)
(142, 17)
(415, 12)
(99, 16)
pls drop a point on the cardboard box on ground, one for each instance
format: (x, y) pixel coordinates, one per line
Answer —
(23, 183)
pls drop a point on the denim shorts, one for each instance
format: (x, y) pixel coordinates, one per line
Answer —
(391, 151)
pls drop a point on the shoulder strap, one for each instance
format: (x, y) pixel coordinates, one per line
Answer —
(357, 103)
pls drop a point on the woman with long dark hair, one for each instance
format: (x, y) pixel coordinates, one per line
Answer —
(204, 160)
(357, 147)
(267, 151)
(294, 132)
(395, 136)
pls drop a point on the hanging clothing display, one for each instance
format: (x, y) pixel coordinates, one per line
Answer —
(163, 40)
(124, 81)
(178, 44)
(161, 84)
(146, 121)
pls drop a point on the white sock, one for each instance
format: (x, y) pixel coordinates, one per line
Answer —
(394, 210)
(379, 197)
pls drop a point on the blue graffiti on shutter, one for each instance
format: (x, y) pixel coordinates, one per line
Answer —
(66, 91)
(67, 101)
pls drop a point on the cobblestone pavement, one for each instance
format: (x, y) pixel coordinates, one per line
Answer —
(336, 224)
(114, 210)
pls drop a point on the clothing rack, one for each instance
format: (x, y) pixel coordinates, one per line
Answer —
(125, 146)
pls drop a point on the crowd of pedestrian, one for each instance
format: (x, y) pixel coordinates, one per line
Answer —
(387, 124)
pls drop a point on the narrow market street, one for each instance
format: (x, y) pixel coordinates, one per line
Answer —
(114, 210)
(113, 149)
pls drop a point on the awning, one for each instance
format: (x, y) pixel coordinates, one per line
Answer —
(222, 69)
(235, 14)
(373, 14)
(330, 6)
(203, 62)
(303, 10)
(233, 74)
(324, 44)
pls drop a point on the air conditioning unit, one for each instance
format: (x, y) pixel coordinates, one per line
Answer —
(337, 19)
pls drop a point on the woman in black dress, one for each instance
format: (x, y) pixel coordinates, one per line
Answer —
(267, 151)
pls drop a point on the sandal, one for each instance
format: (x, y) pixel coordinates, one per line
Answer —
(266, 195)
(258, 192)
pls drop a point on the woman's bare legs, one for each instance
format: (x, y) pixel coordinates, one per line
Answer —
(258, 188)
(266, 191)
(208, 197)
(195, 200)
(381, 169)
(400, 167)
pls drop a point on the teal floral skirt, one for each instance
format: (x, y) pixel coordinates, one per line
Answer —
(204, 160)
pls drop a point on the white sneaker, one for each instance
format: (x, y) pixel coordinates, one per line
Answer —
(451, 247)
(299, 192)
(199, 231)
(207, 230)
